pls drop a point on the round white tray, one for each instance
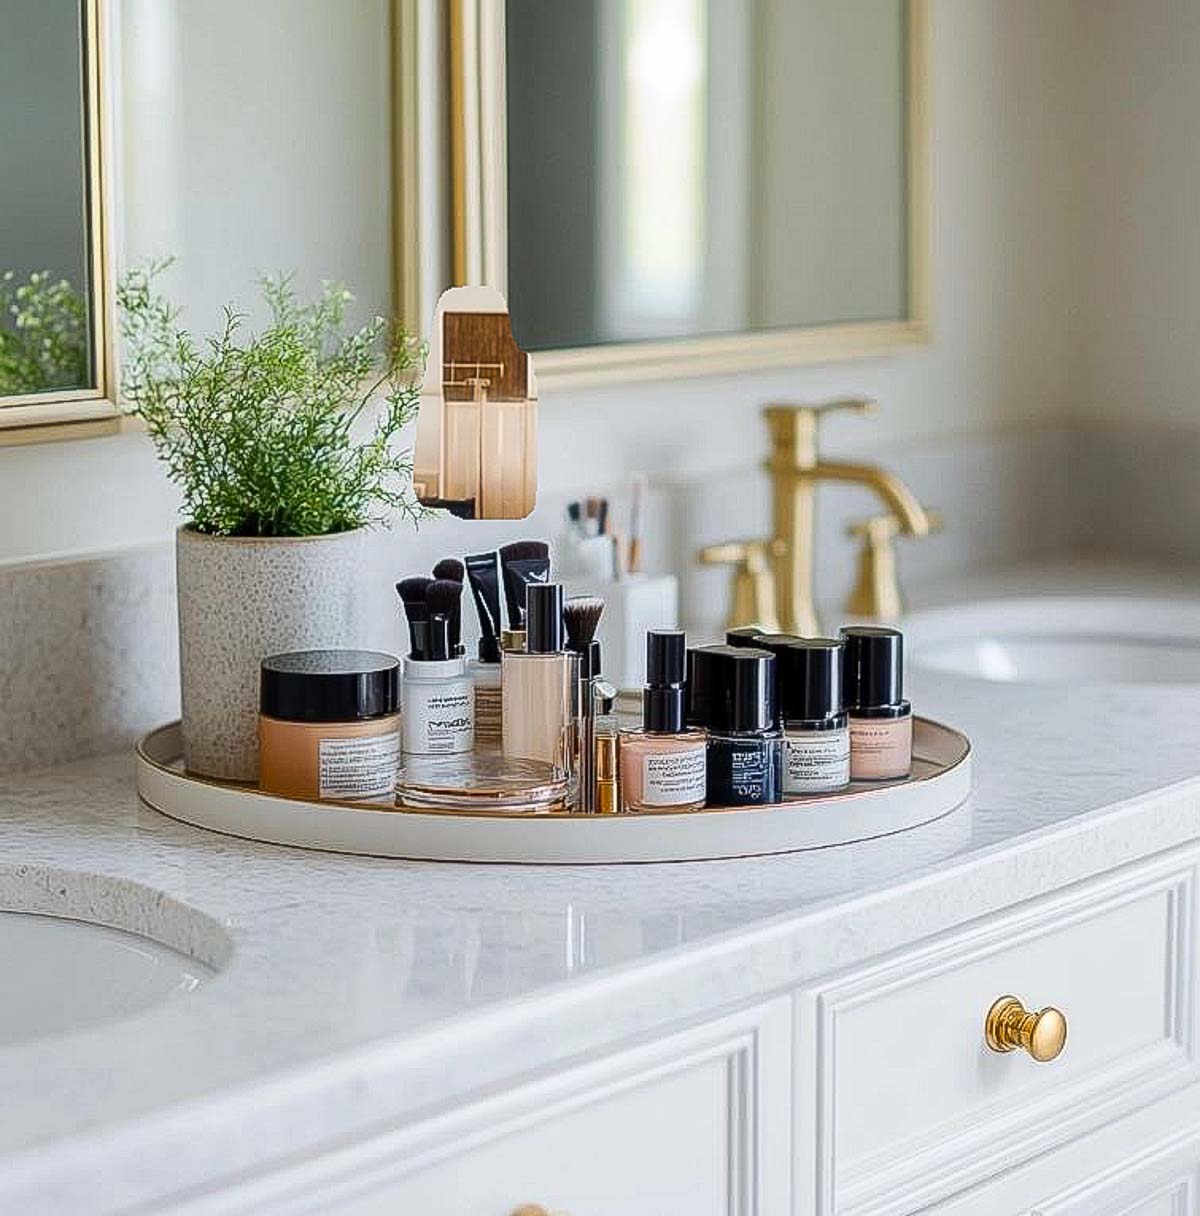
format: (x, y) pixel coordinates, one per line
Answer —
(940, 782)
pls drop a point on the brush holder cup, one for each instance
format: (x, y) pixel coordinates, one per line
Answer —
(633, 606)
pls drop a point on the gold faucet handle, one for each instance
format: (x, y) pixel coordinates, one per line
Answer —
(877, 530)
(751, 553)
(753, 598)
(876, 592)
(855, 405)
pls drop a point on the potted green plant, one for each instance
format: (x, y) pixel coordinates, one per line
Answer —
(285, 443)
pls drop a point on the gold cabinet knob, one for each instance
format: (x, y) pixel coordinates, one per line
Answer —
(1009, 1026)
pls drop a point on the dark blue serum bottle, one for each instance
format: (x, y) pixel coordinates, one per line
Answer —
(732, 695)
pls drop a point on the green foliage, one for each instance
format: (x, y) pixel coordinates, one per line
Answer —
(43, 334)
(268, 433)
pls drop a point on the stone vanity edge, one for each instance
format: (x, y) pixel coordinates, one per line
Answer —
(380, 1090)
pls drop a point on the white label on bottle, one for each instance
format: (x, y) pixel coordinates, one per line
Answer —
(674, 778)
(361, 769)
(439, 719)
(816, 761)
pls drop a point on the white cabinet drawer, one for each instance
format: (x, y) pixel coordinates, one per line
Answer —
(912, 1103)
(698, 1122)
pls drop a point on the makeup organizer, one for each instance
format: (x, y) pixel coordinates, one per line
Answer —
(939, 783)
(763, 743)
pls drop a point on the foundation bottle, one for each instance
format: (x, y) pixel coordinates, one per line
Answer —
(538, 685)
(329, 725)
(880, 717)
(816, 736)
(663, 765)
(733, 694)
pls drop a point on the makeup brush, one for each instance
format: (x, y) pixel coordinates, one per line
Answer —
(412, 596)
(443, 598)
(514, 584)
(452, 570)
(581, 617)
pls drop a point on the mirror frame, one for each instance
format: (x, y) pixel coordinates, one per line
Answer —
(475, 38)
(77, 413)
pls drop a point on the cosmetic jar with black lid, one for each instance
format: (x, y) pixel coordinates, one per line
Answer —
(880, 718)
(816, 736)
(329, 725)
(734, 698)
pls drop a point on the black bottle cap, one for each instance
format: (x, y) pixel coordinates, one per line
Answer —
(810, 679)
(872, 666)
(329, 685)
(543, 618)
(774, 642)
(743, 635)
(663, 696)
(732, 689)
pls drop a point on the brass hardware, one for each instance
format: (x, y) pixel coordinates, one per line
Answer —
(535, 1209)
(1010, 1026)
(876, 594)
(753, 581)
(796, 466)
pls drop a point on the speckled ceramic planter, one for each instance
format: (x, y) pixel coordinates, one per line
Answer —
(240, 599)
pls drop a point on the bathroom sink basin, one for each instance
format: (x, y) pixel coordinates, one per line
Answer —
(1064, 640)
(65, 975)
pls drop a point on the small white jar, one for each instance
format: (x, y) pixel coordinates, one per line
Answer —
(437, 707)
(816, 731)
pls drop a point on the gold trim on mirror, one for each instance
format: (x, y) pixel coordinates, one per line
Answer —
(479, 237)
(77, 413)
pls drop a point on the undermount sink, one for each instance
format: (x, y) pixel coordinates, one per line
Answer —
(1062, 640)
(71, 974)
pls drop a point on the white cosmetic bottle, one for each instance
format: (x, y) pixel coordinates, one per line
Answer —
(437, 710)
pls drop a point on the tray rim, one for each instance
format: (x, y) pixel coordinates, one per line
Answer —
(245, 789)
(496, 837)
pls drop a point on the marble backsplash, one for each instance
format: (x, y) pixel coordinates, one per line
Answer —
(88, 657)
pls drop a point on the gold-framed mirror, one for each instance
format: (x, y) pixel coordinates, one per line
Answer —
(56, 289)
(679, 187)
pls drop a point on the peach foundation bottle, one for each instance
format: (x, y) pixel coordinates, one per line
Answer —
(663, 766)
(329, 725)
(880, 717)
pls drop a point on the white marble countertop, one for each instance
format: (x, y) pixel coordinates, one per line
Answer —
(351, 992)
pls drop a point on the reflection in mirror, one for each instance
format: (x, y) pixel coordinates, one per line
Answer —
(687, 167)
(44, 279)
(257, 140)
(476, 446)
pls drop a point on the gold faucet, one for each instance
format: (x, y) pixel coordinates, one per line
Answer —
(796, 466)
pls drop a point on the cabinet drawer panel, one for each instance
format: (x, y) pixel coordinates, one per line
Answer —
(698, 1122)
(913, 1102)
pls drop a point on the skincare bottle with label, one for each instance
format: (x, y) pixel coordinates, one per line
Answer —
(437, 699)
(663, 765)
(733, 694)
(881, 727)
(816, 738)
